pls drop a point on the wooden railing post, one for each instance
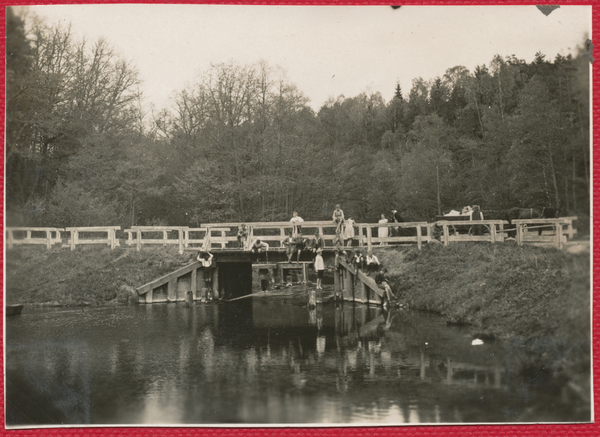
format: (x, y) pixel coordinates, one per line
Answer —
(10, 238)
(139, 239)
(48, 239)
(559, 234)
(446, 234)
(493, 233)
(419, 242)
(282, 235)
(369, 236)
(520, 234)
(74, 235)
(180, 235)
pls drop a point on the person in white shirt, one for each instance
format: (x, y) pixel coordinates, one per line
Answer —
(372, 262)
(296, 220)
(259, 247)
(320, 269)
(349, 231)
(205, 259)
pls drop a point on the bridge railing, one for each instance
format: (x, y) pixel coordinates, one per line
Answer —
(557, 238)
(397, 233)
(16, 236)
(156, 231)
(567, 225)
(462, 230)
(77, 240)
(224, 235)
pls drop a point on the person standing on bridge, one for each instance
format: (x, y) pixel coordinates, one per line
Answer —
(338, 219)
(296, 220)
(319, 268)
(382, 232)
(349, 232)
(242, 236)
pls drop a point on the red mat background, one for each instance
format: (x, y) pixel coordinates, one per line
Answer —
(455, 430)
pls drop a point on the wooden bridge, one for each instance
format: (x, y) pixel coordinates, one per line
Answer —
(223, 236)
(221, 239)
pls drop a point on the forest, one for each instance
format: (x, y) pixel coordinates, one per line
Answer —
(241, 142)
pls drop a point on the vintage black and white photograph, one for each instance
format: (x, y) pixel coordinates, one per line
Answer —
(242, 215)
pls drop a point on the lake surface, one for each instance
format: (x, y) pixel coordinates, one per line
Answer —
(263, 360)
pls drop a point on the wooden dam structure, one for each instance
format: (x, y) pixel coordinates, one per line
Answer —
(188, 284)
(234, 263)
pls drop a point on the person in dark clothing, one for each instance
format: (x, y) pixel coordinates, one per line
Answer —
(300, 243)
(316, 243)
(264, 279)
(384, 284)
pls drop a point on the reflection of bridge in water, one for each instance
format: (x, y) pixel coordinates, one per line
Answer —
(262, 361)
(384, 344)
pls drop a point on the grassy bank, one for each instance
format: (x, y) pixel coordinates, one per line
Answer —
(525, 291)
(86, 276)
(537, 299)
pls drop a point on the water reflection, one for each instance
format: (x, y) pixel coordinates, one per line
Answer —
(256, 361)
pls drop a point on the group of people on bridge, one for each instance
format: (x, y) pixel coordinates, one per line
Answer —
(295, 243)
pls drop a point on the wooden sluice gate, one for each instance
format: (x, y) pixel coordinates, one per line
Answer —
(175, 286)
(356, 286)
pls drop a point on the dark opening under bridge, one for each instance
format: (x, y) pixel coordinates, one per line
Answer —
(234, 270)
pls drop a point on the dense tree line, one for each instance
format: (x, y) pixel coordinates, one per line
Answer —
(241, 143)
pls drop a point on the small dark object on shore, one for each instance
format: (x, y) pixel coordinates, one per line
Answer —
(13, 310)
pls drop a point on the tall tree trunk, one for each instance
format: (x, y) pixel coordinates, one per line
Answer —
(553, 174)
(437, 177)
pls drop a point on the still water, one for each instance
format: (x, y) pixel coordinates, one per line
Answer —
(260, 360)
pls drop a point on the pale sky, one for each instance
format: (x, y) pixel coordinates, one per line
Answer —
(326, 50)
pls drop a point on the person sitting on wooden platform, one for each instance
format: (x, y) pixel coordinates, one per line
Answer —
(258, 247)
(316, 243)
(290, 246)
(300, 243)
(372, 263)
